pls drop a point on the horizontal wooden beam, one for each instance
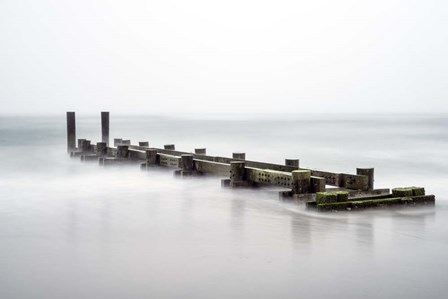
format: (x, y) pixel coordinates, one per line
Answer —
(169, 160)
(349, 181)
(210, 167)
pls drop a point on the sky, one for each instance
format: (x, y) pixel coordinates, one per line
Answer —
(211, 57)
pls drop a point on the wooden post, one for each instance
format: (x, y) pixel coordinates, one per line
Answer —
(80, 141)
(186, 163)
(122, 151)
(239, 156)
(301, 181)
(143, 143)
(317, 184)
(292, 162)
(105, 127)
(369, 172)
(85, 145)
(237, 171)
(151, 156)
(71, 131)
(169, 147)
(117, 141)
(101, 148)
(200, 151)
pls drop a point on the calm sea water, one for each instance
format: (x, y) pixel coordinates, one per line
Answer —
(76, 230)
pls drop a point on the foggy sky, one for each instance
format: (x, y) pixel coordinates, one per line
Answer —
(223, 56)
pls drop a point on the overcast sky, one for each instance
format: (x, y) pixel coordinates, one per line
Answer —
(143, 56)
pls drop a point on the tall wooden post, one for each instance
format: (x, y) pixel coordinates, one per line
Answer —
(105, 127)
(369, 172)
(71, 131)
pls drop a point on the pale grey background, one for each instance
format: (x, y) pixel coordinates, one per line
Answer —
(141, 56)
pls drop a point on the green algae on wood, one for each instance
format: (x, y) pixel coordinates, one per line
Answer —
(402, 191)
(342, 196)
(418, 191)
(408, 191)
(326, 197)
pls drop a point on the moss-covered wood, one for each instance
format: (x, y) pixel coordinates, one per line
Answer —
(418, 191)
(408, 191)
(402, 191)
(326, 197)
(342, 196)
(373, 203)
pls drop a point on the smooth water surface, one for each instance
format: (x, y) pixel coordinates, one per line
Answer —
(76, 230)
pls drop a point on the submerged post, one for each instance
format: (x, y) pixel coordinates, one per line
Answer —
(292, 162)
(105, 127)
(301, 181)
(71, 131)
(369, 172)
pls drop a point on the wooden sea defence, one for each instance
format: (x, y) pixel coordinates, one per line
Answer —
(320, 190)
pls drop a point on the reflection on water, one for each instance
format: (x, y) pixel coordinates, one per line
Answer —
(76, 230)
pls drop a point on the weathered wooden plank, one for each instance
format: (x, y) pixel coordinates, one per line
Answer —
(137, 154)
(169, 160)
(332, 179)
(268, 177)
(210, 167)
(355, 182)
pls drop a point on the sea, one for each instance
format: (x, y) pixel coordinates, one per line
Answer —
(72, 229)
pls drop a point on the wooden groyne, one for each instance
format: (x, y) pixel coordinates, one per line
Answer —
(320, 190)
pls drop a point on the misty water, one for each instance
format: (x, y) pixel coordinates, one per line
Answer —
(77, 230)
